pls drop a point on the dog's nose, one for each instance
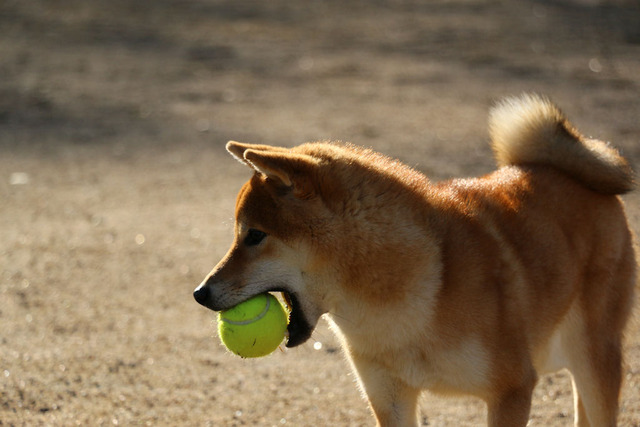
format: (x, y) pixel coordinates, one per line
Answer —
(201, 294)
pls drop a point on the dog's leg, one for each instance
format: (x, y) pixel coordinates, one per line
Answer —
(597, 377)
(580, 415)
(393, 402)
(511, 407)
(593, 342)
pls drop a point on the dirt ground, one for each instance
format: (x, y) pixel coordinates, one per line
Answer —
(116, 195)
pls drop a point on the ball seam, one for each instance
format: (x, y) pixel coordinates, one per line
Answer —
(253, 319)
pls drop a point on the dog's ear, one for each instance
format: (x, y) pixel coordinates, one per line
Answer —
(287, 170)
(237, 150)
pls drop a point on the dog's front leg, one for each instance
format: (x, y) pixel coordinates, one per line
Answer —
(394, 403)
(511, 407)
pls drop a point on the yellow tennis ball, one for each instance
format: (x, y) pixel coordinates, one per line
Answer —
(253, 328)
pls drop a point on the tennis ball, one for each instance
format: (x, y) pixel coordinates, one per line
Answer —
(253, 328)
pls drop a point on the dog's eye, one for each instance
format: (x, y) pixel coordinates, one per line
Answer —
(254, 237)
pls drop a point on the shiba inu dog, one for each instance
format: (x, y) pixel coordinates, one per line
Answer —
(471, 286)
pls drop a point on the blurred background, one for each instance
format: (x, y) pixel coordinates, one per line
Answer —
(116, 194)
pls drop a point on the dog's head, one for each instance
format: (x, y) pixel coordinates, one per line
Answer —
(279, 215)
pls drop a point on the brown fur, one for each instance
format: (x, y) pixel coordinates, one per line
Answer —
(469, 286)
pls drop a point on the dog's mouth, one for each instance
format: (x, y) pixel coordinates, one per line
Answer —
(299, 328)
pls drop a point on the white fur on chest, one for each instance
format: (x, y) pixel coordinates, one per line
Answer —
(408, 353)
(461, 368)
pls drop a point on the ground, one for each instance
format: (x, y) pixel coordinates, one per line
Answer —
(116, 194)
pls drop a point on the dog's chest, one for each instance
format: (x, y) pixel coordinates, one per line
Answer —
(463, 367)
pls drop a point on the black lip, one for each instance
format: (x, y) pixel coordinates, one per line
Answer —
(299, 328)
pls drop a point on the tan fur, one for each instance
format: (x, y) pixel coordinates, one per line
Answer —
(472, 286)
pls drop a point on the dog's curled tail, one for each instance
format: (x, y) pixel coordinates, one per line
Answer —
(530, 129)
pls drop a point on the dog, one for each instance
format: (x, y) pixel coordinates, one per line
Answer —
(473, 286)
